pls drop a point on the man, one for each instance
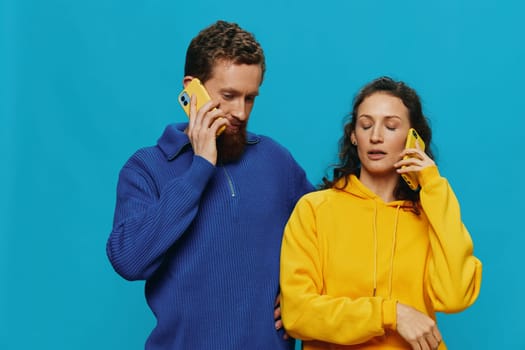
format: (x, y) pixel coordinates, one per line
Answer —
(200, 217)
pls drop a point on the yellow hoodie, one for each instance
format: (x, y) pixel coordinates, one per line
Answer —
(348, 257)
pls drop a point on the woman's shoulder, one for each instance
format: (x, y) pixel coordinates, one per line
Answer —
(320, 197)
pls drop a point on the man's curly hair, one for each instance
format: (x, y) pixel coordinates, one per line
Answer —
(222, 41)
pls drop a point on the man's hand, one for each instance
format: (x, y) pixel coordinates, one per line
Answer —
(203, 127)
(277, 315)
(419, 330)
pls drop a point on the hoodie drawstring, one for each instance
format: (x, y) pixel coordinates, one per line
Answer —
(392, 254)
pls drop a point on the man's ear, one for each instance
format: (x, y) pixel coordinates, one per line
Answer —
(186, 80)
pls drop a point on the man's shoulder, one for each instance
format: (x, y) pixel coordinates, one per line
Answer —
(145, 158)
(146, 152)
(266, 142)
(167, 144)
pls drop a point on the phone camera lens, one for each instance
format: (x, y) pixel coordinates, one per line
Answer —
(184, 99)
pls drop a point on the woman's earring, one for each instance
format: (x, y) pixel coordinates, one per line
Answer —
(354, 142)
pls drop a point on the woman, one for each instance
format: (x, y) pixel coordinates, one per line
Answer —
(366, 262)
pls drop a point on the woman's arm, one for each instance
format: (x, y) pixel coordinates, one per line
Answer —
(309, 314)
(454, 273)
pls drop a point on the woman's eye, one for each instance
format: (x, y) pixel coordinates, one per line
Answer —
(392, 124)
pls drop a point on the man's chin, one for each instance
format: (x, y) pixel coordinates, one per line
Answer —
(230, 145)
(232, 130)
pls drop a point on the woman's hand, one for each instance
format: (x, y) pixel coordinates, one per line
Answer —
(416, 160)
(419, 330)
(277, 316)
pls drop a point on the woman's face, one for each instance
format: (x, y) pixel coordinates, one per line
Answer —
(381, 129)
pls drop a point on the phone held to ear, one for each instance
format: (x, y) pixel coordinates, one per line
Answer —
(412, 137)
(196, 88)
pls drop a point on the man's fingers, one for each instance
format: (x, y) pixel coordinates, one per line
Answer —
(276, 313)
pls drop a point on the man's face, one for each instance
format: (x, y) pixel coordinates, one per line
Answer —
(235, 87)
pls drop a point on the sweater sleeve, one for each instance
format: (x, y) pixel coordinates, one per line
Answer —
(147, 223)
(307, 312)
(299, 184)
(454, 273)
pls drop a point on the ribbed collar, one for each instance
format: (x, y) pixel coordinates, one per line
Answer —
(174, 141)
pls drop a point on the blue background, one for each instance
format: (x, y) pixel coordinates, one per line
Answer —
(83, 84)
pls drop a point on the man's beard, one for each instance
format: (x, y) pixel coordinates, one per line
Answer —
(230, 147)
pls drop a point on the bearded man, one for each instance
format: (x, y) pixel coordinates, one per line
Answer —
(200, 217)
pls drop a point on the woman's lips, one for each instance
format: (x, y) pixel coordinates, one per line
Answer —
(376, 155)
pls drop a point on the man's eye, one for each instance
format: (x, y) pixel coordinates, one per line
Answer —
(227, 96)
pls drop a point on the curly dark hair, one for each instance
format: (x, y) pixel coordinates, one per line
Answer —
(222, 41)
(348, 158)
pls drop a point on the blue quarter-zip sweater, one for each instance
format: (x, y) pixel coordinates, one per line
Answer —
(207, 240)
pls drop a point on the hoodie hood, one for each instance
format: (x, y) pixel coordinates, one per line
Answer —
(356, 188)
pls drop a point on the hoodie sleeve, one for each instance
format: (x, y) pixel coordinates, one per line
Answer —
(307, 313)
(454, 273)
(148, 223)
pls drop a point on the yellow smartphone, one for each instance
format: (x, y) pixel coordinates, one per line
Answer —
(412, 138)
(195, 87)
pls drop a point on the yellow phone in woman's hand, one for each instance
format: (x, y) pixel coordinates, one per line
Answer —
(412, 138)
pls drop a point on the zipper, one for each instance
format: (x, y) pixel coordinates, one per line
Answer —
(230, 182)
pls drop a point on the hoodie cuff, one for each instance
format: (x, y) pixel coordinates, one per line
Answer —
(427, 175)
(390, 314)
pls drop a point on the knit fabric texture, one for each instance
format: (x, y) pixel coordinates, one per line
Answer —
(207, 240)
